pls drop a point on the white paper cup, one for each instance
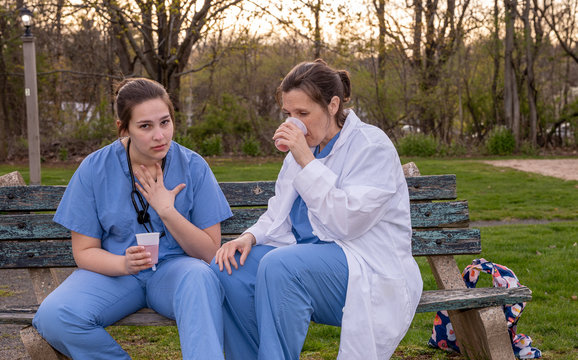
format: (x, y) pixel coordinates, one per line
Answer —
(300, 125)
(151, 243)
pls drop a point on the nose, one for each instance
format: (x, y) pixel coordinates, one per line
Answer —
(158, 134)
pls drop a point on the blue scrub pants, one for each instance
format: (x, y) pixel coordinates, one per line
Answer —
(73, 317)
(270, 301)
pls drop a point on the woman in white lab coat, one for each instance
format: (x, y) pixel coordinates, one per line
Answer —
(334, 245)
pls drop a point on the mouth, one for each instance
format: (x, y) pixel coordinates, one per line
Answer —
(161, 147)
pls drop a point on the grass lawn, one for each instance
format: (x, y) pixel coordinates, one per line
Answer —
(544, 257)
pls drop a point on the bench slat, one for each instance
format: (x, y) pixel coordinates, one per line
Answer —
(41, 226)
(47, 198)
(431, 301)
(459, 299)
(58, 253)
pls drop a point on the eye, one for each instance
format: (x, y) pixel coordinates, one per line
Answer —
(143, 126)
(165, 122)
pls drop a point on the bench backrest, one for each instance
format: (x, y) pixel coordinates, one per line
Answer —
(29, 237)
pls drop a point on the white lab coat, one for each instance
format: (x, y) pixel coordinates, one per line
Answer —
(357, 196)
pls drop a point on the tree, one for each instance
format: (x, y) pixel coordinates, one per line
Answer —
(511, 97)
(561, 18)
(12, 110)
(531, 50)
(160, 34)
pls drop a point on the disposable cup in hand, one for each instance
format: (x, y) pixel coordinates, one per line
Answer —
(150, 241)
(299, 124)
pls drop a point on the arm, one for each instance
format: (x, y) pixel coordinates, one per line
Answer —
(89, 255)
(368, 182)
(196, 242)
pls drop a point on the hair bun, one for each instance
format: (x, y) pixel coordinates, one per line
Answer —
(346, 81)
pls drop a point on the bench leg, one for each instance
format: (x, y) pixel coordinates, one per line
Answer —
(37, 347)
(481, 333)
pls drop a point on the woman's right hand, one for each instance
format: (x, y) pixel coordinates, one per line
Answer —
(226, 254)
(137, 259)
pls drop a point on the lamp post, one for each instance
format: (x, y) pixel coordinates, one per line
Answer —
(31, 93)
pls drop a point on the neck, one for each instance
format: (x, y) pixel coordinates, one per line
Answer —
(136, 161)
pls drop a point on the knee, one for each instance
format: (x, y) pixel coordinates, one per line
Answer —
(275, 268)
(54, 316)
(200, 277)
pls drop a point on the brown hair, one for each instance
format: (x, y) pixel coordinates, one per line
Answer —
(134, 91)
(321, 83)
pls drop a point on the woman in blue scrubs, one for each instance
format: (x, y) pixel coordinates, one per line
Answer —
(143, 182)
(334, 245)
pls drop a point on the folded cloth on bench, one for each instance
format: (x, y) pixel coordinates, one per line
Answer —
(443, 336)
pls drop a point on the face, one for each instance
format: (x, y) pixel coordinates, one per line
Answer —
(151, 131)
(320, 121)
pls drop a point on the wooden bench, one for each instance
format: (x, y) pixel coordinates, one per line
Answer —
(30, 240)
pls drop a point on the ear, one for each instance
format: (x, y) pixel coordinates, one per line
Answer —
(118, 127)
(333, 105)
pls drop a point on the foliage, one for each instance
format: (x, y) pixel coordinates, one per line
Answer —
(228, 119)
(500, 142)
(212, 145)
(222, 75)
(251, 146)
(417, 144)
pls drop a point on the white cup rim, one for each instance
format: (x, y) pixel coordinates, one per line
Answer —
(147, 238)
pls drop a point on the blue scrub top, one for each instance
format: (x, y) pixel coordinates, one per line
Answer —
(97, 201)
(301, 226)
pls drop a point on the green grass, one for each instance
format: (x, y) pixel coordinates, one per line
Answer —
(544, 257)
(495, 193)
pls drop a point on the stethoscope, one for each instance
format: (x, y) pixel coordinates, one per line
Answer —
(142, 215)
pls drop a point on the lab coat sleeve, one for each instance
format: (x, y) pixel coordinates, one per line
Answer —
(266, 220)
(368, 183)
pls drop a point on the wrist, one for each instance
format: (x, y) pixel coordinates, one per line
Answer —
(166, 212)
(250, 238)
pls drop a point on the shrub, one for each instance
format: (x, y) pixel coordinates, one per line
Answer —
(186, 141)
(417, 145)
(500, 141)
(456, 148)
(63, 154)
(212, 145)
(251, 146)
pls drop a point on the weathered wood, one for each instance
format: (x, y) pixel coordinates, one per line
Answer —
(43, 282)
(431, 301)
(58, 253)
(12, 179)
(459, 299)
(40, 226)
(488, 334)
(440, 214)
(46, 197)
(37, 347)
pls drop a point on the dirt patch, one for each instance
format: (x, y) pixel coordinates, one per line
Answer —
(566, 169)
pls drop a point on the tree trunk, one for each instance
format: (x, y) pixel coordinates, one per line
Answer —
(496, 74)
(511, 100)
(317, 33)
(380, 12)
(530, 82)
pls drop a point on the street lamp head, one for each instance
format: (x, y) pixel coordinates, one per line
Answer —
(26, 17)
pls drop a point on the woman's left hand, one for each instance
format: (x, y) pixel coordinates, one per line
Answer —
(154, 190)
